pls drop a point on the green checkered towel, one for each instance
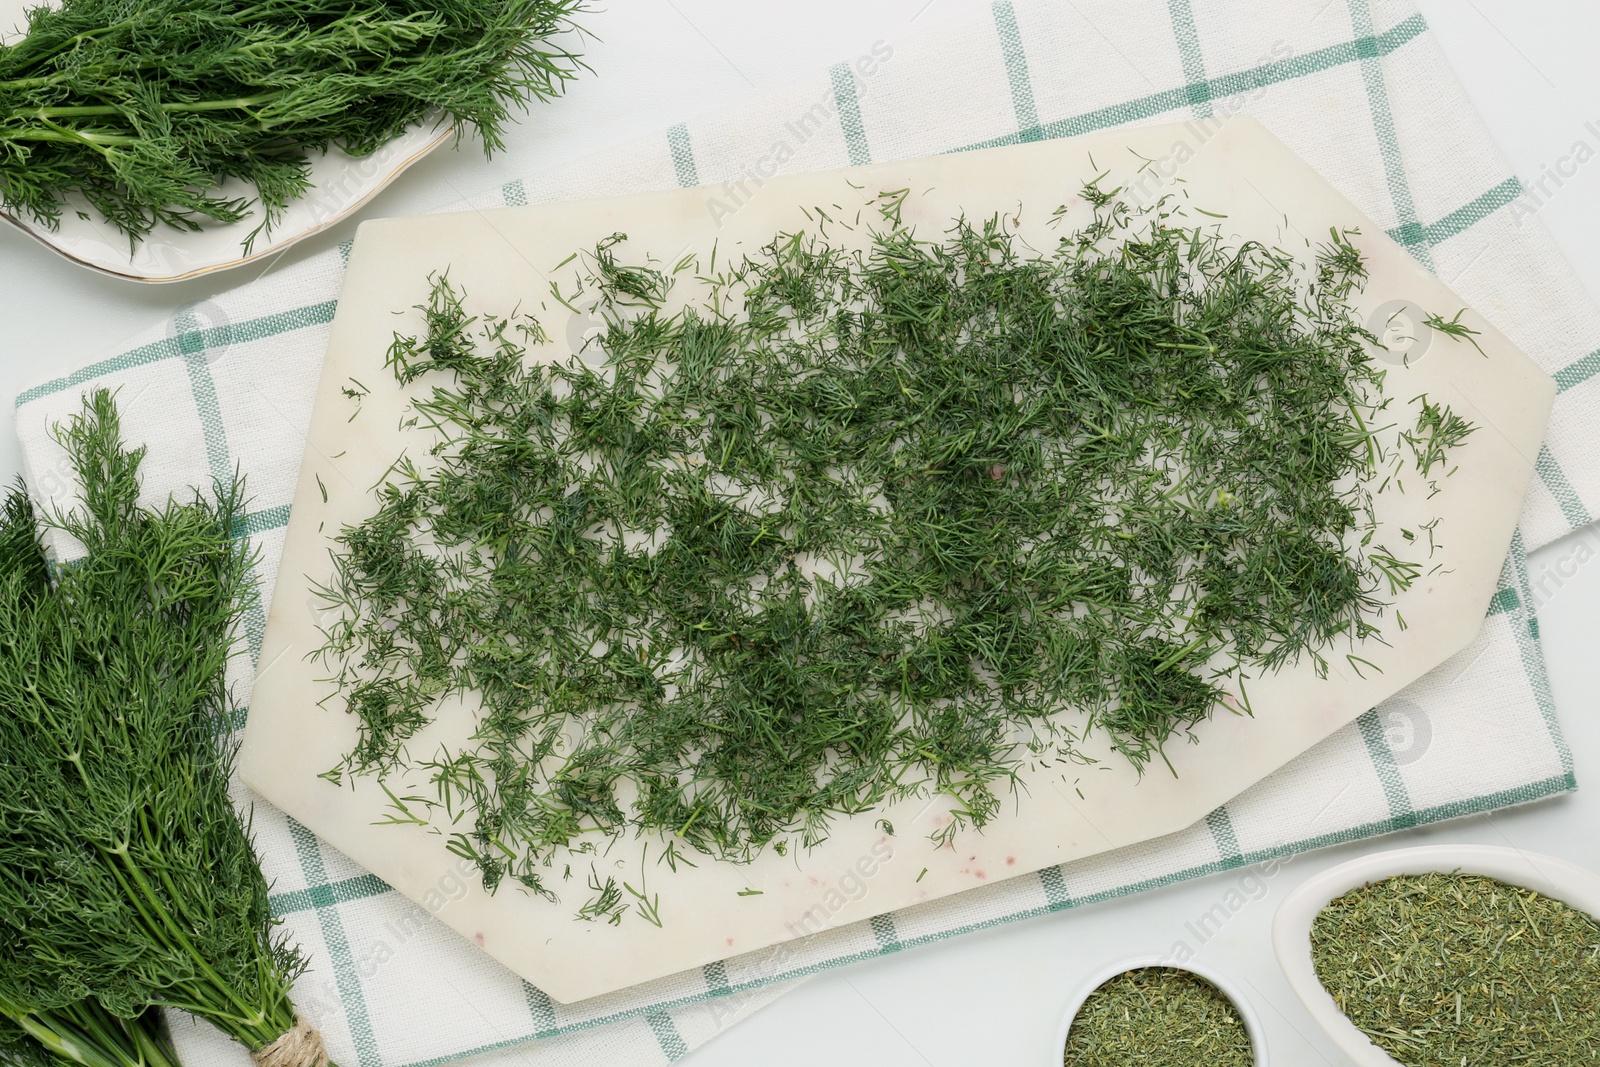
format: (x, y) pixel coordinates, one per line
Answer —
(1357, 87)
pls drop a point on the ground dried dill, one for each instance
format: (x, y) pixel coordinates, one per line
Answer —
(1452, 970)
(849, 525)
(1158, 1017)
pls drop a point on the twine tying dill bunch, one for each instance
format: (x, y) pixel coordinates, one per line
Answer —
(857, 524)
(301, 1046)
(127, 880)
(142, 109)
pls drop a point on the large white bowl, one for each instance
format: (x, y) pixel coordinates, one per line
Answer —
(1291, 928)
(1252, 1022)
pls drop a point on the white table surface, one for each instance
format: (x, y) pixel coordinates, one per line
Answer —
(992, 997)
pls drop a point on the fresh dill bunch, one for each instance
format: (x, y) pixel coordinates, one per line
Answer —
(858, 522)
(86, 1034)
(126, 875)
(143, 107)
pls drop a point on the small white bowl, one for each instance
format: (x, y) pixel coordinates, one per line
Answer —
(1252, 1022)
(1291, 928)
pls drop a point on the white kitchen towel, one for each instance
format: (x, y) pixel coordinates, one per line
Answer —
(1358, 87)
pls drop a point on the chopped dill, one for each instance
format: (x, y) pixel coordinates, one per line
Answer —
(1454, 327)
(856, 524)
(1437, 431)
(607, 902)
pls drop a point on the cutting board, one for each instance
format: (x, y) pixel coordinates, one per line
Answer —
(507, 259)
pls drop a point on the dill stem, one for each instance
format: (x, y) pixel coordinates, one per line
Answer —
(33, 83)
(61, 1044)
(113, 109)
(90, 138)
(163, 926)
(87, 1034)
(151, 1052)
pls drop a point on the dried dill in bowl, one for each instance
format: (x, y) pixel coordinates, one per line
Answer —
(1441, 970)
(1158, 1017)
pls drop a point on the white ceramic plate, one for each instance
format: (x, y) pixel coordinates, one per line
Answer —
(340, 184)
(1252, 1022)
(1291, 928)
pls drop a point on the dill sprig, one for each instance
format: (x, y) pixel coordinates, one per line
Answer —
(144, 108)
(126, 876)
(1454, 327)
(857, 523)
(1438, 430)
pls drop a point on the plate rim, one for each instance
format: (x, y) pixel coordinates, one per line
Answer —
(44, 236)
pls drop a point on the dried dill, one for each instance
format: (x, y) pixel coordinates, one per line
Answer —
(1445, 969)
(856, 523)
(1158, 1017)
